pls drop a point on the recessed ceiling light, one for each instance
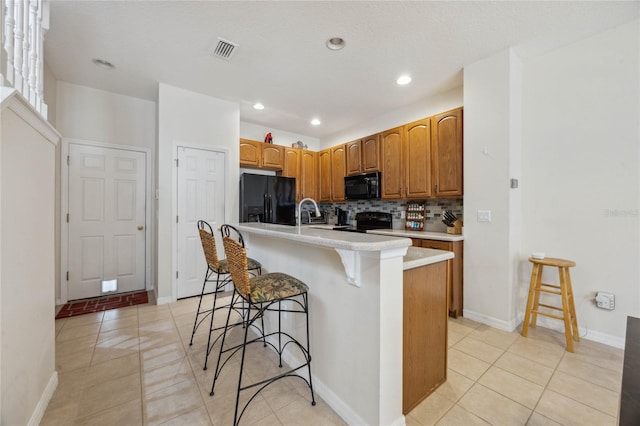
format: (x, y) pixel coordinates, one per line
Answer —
(335, 43)
(258, 105)
(103, 64)
(315, 122)
(403, 79)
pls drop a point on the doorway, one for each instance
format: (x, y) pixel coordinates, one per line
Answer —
(106, 220)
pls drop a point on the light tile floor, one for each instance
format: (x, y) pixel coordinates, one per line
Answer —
(134, 366)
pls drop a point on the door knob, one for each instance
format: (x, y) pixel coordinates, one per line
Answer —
(140, 227)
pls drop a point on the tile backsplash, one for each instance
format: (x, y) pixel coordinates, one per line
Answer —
(434, 210)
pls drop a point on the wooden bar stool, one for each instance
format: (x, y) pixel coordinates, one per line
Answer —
(563, 290)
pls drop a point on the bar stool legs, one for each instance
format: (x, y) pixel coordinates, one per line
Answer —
(260, 295)
(279, 348)
(220, 269)
(563, 290)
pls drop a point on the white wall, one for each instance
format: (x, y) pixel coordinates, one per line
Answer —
(28, 376)
(50, 92)
(566, 124)
(424, 108)
(94, 115)
(488, 246)
(257, 132)
(186, 117)
(581, 179)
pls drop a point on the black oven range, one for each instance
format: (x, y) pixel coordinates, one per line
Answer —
(367, 221)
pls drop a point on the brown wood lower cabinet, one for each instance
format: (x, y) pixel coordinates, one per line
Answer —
(454, 271)
(424, 328)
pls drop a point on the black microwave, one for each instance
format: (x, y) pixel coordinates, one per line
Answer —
(362, 187)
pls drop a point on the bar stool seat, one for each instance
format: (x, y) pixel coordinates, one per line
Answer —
(563, 290)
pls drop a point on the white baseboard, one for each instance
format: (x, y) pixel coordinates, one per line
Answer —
(41, 407)
(162, 300)
(585, 333)
(490, 321)
(595, 336)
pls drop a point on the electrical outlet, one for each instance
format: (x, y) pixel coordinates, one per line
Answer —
(605, 300)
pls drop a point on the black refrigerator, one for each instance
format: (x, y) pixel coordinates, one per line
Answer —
(269, 199)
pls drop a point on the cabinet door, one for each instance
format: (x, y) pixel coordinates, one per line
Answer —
(447, 153)
(324, 175)
(424, 333)
(272, 156)
(353, 150)
(338, 167)
(417, 162)
(391, 148)
(291, 168)
(308, 174)
(454, 273)
(250, 152)
(370, 154)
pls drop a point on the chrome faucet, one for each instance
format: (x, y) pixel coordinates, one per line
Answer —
(299, 206)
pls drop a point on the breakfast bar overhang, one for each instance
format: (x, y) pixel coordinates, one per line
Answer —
(355, 294)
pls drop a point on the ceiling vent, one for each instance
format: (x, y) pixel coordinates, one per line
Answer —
(224, 49)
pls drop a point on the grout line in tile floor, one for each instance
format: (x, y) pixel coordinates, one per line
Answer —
(506, 361)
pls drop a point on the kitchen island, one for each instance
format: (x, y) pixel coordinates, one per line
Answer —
(356, 311)
(440, 241)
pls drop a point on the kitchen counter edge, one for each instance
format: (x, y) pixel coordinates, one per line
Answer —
(425, 235)
(418, 256)
(327, 238)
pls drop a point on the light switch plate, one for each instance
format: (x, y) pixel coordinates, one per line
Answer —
(484, 215)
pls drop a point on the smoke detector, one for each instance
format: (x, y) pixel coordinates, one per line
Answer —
(224, 49)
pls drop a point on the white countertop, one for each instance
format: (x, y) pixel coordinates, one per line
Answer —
(418, 256)
(321, 235)
(425, 235)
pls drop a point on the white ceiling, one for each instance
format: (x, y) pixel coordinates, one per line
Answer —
(282, 60)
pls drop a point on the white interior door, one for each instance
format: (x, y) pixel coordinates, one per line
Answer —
(201, 196)
(107, 229)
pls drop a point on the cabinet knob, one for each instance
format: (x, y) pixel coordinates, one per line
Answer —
(140, 227)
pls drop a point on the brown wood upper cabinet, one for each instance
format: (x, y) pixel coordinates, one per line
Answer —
(338, 172)
(446, 145)
(301, 164)
(362, 155)
(354, 157)
(324, 175)
(308, 174)
(423, 159)
(291, 167)
(331, 172)
(261, 155)
(391, 151)
(417, 159)
(406, 167)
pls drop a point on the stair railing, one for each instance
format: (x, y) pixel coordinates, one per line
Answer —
(22, 60)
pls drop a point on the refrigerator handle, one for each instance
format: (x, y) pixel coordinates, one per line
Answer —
(265, 207)
(270, 210)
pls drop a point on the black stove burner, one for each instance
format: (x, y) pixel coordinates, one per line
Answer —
(368, 221)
